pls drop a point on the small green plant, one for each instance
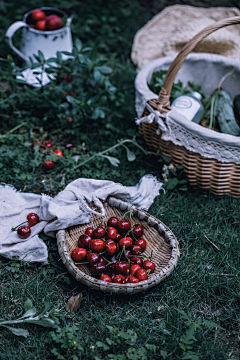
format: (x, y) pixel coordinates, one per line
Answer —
(68, 344)
(121, 345)
(188, 340)
(43, 317)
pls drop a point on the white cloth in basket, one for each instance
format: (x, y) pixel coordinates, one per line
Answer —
(68, 208)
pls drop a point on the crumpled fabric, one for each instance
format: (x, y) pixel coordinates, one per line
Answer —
(68, 208)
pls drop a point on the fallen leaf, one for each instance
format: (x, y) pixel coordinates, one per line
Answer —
(74, 302)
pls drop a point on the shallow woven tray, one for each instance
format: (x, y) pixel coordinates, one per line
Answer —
(158, 236)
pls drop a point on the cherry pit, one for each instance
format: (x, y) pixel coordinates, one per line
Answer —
(115, 252)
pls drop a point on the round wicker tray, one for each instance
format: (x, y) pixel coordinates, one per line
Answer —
(160, 241)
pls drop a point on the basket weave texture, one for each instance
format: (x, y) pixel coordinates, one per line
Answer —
(220, 177)
(160, 241)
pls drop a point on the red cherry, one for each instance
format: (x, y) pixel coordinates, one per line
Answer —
(118, 237)
(58, 152)
(132, 280)
(84, 241)
(69, 119)
(149, 265)
(105, 278)
(142, 243)
(111, 268)
(32, 219)
(48, 164)
(112, 276)
(118, 249)
(92, 258)
(78, 254)
(128, 253)
(102, 260)
(138, 230)
(41, 25)
(136, 249)
(97, 245)
(89, 231)
(134, 268)
(46, 144)
(125, 280)
(126, 241)
(98, 269)
(4, 88)
(118, 279)
(37, 15)
(122, 267)
(53, 22)
(111, 233)
(24, 231)
(124, 225)
(69, 146)
(68, 78)
(137, 260)
(99, 232)
(36, 142)
(111, 247)
(112, 221)
(141, 274)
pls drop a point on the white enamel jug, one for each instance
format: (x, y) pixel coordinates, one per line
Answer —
(48, 42)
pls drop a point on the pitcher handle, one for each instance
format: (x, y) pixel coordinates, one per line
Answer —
(9, 34)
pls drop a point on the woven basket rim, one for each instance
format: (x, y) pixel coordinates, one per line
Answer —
(166, 271)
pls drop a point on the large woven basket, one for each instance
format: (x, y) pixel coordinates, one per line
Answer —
(160, 241)
(210, 159)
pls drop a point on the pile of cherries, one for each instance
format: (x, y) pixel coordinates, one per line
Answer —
(43, 22)
(115, 253)
(24, 231)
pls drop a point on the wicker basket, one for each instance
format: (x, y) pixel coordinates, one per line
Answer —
(219, 174)
(160, 241)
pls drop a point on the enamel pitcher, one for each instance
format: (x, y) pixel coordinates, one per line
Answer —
(48, 42)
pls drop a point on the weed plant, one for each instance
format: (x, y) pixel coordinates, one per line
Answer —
(193, 314)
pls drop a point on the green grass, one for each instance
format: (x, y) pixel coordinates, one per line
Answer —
(205, 284)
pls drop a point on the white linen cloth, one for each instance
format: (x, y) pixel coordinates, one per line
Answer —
(69, 207)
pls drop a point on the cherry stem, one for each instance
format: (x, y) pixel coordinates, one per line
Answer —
(128, 260)
(126, 214)
(151, 256)
(121, 252)
(82, 263)
(143, 256)
(14, 229)
(108, 262)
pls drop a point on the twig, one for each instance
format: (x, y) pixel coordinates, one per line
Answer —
(212, 243)
(110, 149)
(16, 127)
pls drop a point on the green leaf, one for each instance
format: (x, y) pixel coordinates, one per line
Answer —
(172, 183)
(78, 45)
(29, 313)
(184, 315)
(104, 69)
(17, 331)
(101, 344)
(28, 304)
(212, 324)
(47, 322)
(59, 57)
(97, 75)
(114, 161)
(41, 56)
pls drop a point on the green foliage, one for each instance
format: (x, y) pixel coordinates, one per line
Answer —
(67, 342)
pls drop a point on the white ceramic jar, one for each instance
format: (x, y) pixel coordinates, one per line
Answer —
(48, 42)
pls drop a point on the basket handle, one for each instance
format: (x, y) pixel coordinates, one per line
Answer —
(163, 99)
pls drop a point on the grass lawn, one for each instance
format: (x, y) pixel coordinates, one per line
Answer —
(194, 314)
